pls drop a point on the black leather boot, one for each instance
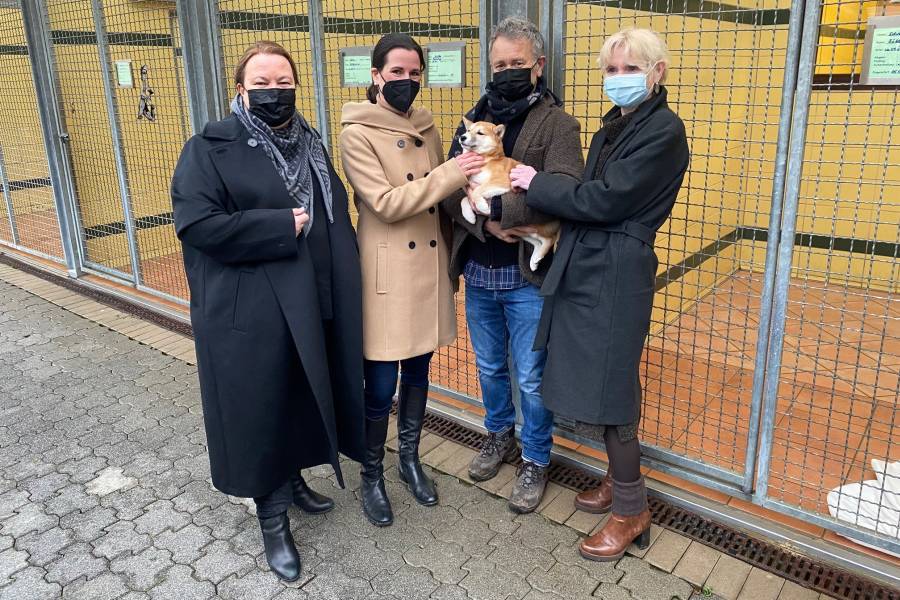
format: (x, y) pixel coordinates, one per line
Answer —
(410, 414)
(310, 501)
(375, 502)
(281, 553)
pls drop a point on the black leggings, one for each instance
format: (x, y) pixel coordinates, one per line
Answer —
(624, 457)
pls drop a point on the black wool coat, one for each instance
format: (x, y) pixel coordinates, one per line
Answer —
(599, 291)
(279, 391)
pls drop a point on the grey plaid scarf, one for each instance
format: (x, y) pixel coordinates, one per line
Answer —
(296, 151)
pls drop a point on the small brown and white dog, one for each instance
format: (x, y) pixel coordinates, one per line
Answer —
(486, 139)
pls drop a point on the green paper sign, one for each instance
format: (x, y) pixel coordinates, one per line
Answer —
(446, 65)
(884, 58)
(356, 67)
(124, 78)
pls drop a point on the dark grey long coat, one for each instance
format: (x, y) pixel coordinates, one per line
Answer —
(279, 392)
(600, 286)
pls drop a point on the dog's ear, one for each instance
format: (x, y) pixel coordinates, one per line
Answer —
(500, 130)
(467, 123)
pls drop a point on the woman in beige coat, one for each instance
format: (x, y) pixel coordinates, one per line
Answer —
(392, 156)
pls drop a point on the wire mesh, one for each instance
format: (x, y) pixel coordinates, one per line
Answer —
(96, 184)
(725, 82)
(154, 124)
(25, 187)
(837, 406)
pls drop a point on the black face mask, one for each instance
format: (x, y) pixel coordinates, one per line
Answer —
(400, 93)
(274, 106)
(513, 84)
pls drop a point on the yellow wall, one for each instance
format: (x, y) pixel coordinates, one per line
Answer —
(725, 82)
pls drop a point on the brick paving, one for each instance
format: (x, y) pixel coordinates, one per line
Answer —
(105, 493)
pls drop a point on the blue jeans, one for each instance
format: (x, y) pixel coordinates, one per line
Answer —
(381, 381)
(498, 320)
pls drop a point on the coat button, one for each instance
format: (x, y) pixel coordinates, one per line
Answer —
(431, 210)
(252, 142)
(409, 176)
(419, 143)
(412, 245)
(433, 243)
(401, 143)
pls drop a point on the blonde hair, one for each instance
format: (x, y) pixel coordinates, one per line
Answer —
(644, 46)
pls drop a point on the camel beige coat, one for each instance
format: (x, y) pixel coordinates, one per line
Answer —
(396, 167)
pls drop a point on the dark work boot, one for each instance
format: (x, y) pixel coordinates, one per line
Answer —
(374, 498)
(281, 553)
(410, 414)
(496, 448)
(310, 501)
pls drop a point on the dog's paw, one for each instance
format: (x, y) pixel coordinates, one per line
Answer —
(467, 212)
(534, 264)
(483, 207)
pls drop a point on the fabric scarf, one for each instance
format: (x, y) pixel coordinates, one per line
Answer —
(503, 110)
(491, 103)
(297, 152)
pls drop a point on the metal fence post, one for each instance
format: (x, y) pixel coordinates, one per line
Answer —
(55, 136)
(486, 15)
(553, 28)
(789, 85)
(320, 74)
(202, 66)
(7, 197)
(118, 150)
(782, 266)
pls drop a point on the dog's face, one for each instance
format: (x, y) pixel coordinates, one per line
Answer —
(482, 137)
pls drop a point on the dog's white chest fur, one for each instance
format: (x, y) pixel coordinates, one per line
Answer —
(479, 177)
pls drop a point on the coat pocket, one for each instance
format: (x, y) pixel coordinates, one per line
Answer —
(381, 269)
(584, 281)
(242, 301)
(533, 156)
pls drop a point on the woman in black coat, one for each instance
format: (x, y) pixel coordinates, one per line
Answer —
(273, 267)
(600, 287)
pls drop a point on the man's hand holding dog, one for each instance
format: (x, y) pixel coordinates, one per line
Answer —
(521, 177)
(508, 235)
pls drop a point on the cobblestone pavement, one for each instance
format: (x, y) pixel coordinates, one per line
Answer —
(105, 493)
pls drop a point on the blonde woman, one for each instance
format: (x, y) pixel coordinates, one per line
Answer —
(601, 283)
(392, 155)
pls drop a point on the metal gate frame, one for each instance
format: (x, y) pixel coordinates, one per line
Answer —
(203, 68)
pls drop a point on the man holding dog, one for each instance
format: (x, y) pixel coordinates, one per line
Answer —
(503, 303)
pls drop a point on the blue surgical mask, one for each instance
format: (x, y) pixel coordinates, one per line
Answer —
(626, 91)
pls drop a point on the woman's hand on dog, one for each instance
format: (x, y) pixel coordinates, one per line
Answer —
(470, 163)
(521, 177)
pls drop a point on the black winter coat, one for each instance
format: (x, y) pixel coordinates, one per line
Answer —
(600, 286)
(280, 391)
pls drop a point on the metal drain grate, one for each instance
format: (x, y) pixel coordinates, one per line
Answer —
(769, 557)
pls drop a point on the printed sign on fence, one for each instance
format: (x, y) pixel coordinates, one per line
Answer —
(445, 64)
(881, 60)
(356, 66)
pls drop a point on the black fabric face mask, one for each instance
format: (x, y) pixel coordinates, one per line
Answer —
(274, 106)
(513, 84)
(400, 93)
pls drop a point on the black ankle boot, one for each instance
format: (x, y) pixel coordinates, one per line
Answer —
(310, 501)
(281, 553)
(375, 502)
(410, 414)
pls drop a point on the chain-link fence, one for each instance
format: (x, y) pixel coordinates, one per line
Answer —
(771, 370)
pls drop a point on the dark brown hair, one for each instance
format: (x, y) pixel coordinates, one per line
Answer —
(263, 47)
(383, 47)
